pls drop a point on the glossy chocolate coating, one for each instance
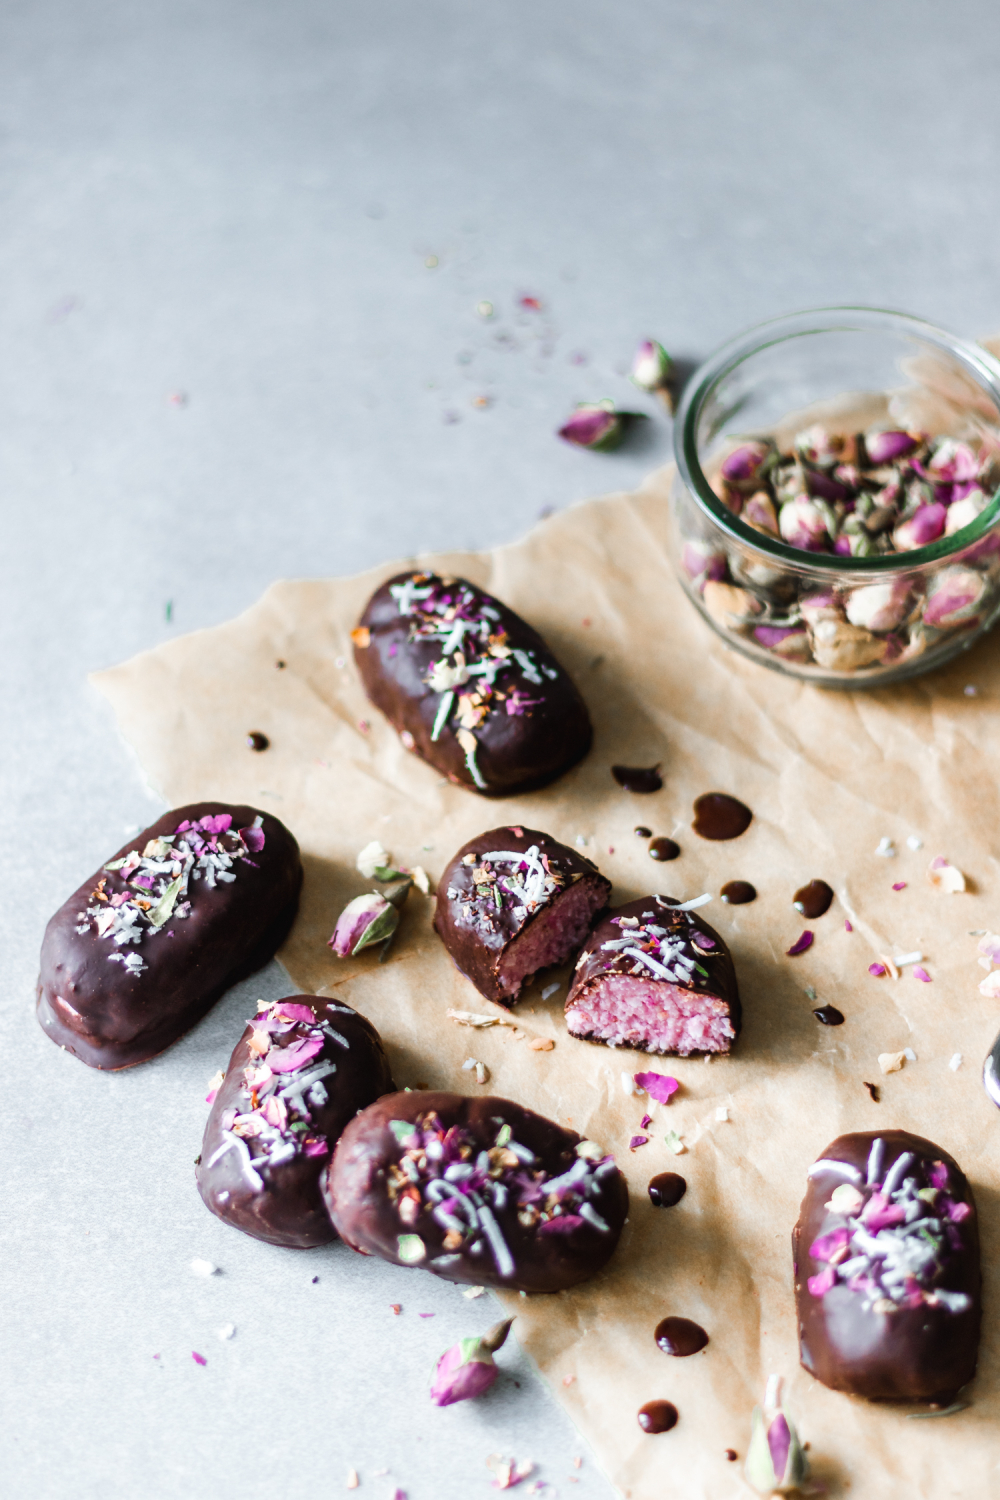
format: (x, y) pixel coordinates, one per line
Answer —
(356, 1189)
(921, 1353)
(596, 964)
(475, 932)
(287, 1209)
(514, 751)
(112, 1018)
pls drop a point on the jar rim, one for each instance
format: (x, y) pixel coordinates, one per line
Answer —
(977, 361)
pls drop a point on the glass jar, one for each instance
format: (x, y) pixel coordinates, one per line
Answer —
(802, 391)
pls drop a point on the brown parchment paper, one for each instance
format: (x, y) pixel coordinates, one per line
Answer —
(828, 775)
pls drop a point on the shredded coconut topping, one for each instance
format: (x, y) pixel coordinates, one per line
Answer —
(282, 1085)
(895, 1237)
(464, 1186)
(475, 653)
(157, 881)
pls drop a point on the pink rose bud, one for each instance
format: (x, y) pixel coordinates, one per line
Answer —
(955, 595)
(702, 563)
(467, 1369)
(822, 606)
(964, 511)
(953, 462)
(598, 427)
(883, 447)
(366, 920)
(880, 606)
(759, 512)
(923, 527)
(802, 525)
(776, 1461)
(744, 462)
(652, 366)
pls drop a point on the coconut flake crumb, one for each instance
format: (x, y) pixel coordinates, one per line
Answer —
(945, 877)
(550, 989)
(628, 1084)
(226, 1331)
(372, 857)
(352, 1479)
(908, 958)
(886, 848)
(421, 879)
(909, 1054)
(472, 1291)
(891, 1062)
(722, 1113)
(984, 963)
(542, 1044)
(203, 1268)
(956, 1062)
(914, 843)
(675, 1143)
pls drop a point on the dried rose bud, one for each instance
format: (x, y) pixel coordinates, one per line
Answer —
(701, 562)
(880, 606)
(776, 1462)
(802, 524)
(822, 606)
(963, 512)
(846, 648)
(953, 462)
(366, 920)
(955, 595)
(744, 462)
(652, 367)
(596, 426)
(923, 527)
(817, 446)
(883, 447)
(467, 1369)
(730, 606)
(759, 512)
(789, 641)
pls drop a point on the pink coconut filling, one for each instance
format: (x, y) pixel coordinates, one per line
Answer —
(651, 1016)
(551, 936)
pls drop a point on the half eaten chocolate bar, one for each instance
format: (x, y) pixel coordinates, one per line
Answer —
(887, 1274)
(654, 976)
(514, 901)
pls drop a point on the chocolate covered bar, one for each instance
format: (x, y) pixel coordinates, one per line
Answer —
(147, 945)
(653, 975)
(475, 1190)
(302, 1069)
(886, 1254)
(514, 901)
(468, 685)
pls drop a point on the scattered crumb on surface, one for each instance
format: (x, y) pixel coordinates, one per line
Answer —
(203, 1267)
(542, 1044)
(891, 1062)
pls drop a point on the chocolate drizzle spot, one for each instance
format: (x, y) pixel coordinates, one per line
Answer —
(666, 1189)
(257, 741)
(663, 849)
(642, 832)
(680, 1337)
(738, 892)
(830, 1016)
(657, 1416)
(813, 900)
(732, 1455)
(719, 816)
(638, 778)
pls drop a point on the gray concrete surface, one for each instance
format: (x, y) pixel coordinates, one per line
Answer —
(225, 357)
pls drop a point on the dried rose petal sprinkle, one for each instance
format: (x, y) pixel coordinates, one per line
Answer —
(801, 944)
(900, 885)
(922, 975)
(877, 970)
